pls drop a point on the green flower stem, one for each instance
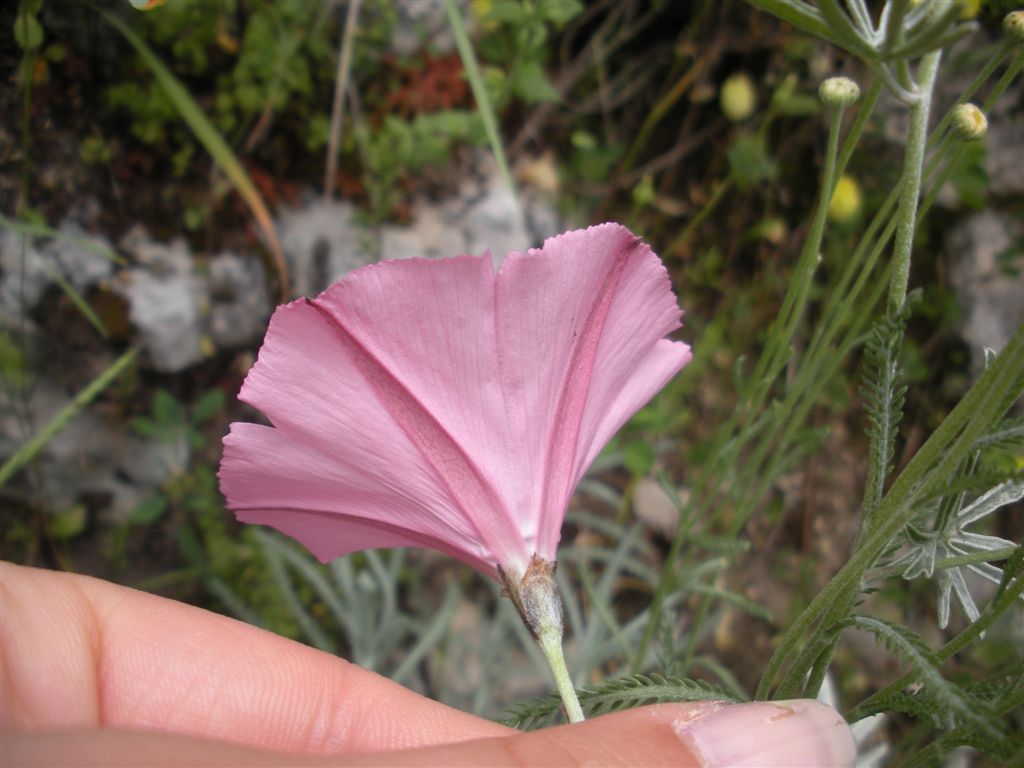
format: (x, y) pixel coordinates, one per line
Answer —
(781, 333)
(550, 643)
(910, 188)
(536, 598)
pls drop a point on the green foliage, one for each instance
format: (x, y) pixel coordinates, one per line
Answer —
(28, 32)
(883, 394)
(170, 422)
(750, 161)
(398, 148)
(269, 64)
(28, 451)
(517, 44)
(968, 175)
(950, 699)
(615, 695)
(13, 368)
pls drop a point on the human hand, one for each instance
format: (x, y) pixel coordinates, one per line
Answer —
(97, 674)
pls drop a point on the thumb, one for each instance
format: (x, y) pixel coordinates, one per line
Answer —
(707, 734)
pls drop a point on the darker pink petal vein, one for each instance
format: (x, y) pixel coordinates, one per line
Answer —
(438, 403)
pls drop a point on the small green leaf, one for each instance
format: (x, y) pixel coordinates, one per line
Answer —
(13, 371)
(208, 407)
(166, 410)
(750, 162)
(969, 177)
(145, 427)
(28, 32)
(69, 523)
(508, 11)
(639, 457)
(560, 11)
(55, 52)
(148, 510)
(531, 84)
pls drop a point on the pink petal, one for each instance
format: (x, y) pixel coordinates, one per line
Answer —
(594, 303)
(434, 403)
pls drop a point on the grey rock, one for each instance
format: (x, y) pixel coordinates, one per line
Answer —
(83, 266)
(90, 455)
(431, 235)
(988, 274)
(1004, 144)
(322, 242)
(166, 300)
(421, 25)
(495, 222)
(240, 300)
(25, 278)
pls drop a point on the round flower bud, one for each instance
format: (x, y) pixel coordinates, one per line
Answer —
(738, 98)
(969, 122)
(846, 200)
(1013, 26)
(839, 92)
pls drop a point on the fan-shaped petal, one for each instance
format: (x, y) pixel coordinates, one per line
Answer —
(436, 403)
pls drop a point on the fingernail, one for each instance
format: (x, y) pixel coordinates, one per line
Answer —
(769, 734)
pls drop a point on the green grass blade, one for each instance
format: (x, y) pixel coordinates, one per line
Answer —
(76, 298)
(31, 229)
(35, 444)
(476, 83)
(210, 138)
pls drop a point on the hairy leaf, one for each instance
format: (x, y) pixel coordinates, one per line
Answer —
(614, 695)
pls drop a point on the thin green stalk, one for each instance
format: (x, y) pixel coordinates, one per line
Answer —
(708, 208)
(864, 112)
(348, 37)
(993, 63)
(38, 441)
(26, 108)
(910, 188)
(750, 401)
(781, 333)
(552, 648)
(479, 88)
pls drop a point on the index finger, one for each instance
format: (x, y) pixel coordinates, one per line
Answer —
(77, 651)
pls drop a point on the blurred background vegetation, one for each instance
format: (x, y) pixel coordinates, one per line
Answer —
(696, 124)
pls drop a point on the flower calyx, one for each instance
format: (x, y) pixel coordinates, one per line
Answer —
(535, 596)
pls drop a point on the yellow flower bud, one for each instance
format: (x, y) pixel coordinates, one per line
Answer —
(969, 122)
(738, 98)
(846, 201)
(969, 9)
(1013, 26)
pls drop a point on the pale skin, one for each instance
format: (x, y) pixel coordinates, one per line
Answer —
(98, 674)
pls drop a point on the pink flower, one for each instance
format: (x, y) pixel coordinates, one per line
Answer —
(438, 403)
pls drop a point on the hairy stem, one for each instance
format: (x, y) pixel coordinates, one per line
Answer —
(910, 188)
